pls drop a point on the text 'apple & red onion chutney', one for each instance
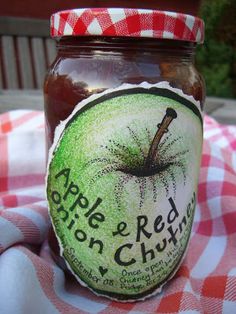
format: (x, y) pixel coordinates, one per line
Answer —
(123, 105)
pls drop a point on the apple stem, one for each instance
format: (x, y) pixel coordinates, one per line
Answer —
(162, 129)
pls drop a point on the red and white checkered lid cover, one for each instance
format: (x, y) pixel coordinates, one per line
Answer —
(127, 23)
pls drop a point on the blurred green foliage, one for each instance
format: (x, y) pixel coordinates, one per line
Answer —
(216, 59)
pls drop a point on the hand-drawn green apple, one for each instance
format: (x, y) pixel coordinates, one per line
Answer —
(121, 189)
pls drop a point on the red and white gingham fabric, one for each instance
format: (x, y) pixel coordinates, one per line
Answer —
(30, 282)
(127, 23)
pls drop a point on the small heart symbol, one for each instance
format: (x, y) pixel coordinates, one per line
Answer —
(102, 270)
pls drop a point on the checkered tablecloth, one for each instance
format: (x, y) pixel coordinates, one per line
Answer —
(30, 282)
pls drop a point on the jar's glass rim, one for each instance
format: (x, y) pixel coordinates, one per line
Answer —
(125, 22)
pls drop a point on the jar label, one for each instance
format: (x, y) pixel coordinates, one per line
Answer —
(121, 187)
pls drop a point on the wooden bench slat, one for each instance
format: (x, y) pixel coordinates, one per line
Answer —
(9, 61)
(1, 80)
(25, 63)
(39, 61)
(51, 50)
(26, 52)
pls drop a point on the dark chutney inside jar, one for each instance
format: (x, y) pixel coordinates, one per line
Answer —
(88, 65)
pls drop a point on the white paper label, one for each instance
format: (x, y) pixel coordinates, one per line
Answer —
(121, 187)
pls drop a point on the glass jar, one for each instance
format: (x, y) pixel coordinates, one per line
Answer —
(106, 55)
